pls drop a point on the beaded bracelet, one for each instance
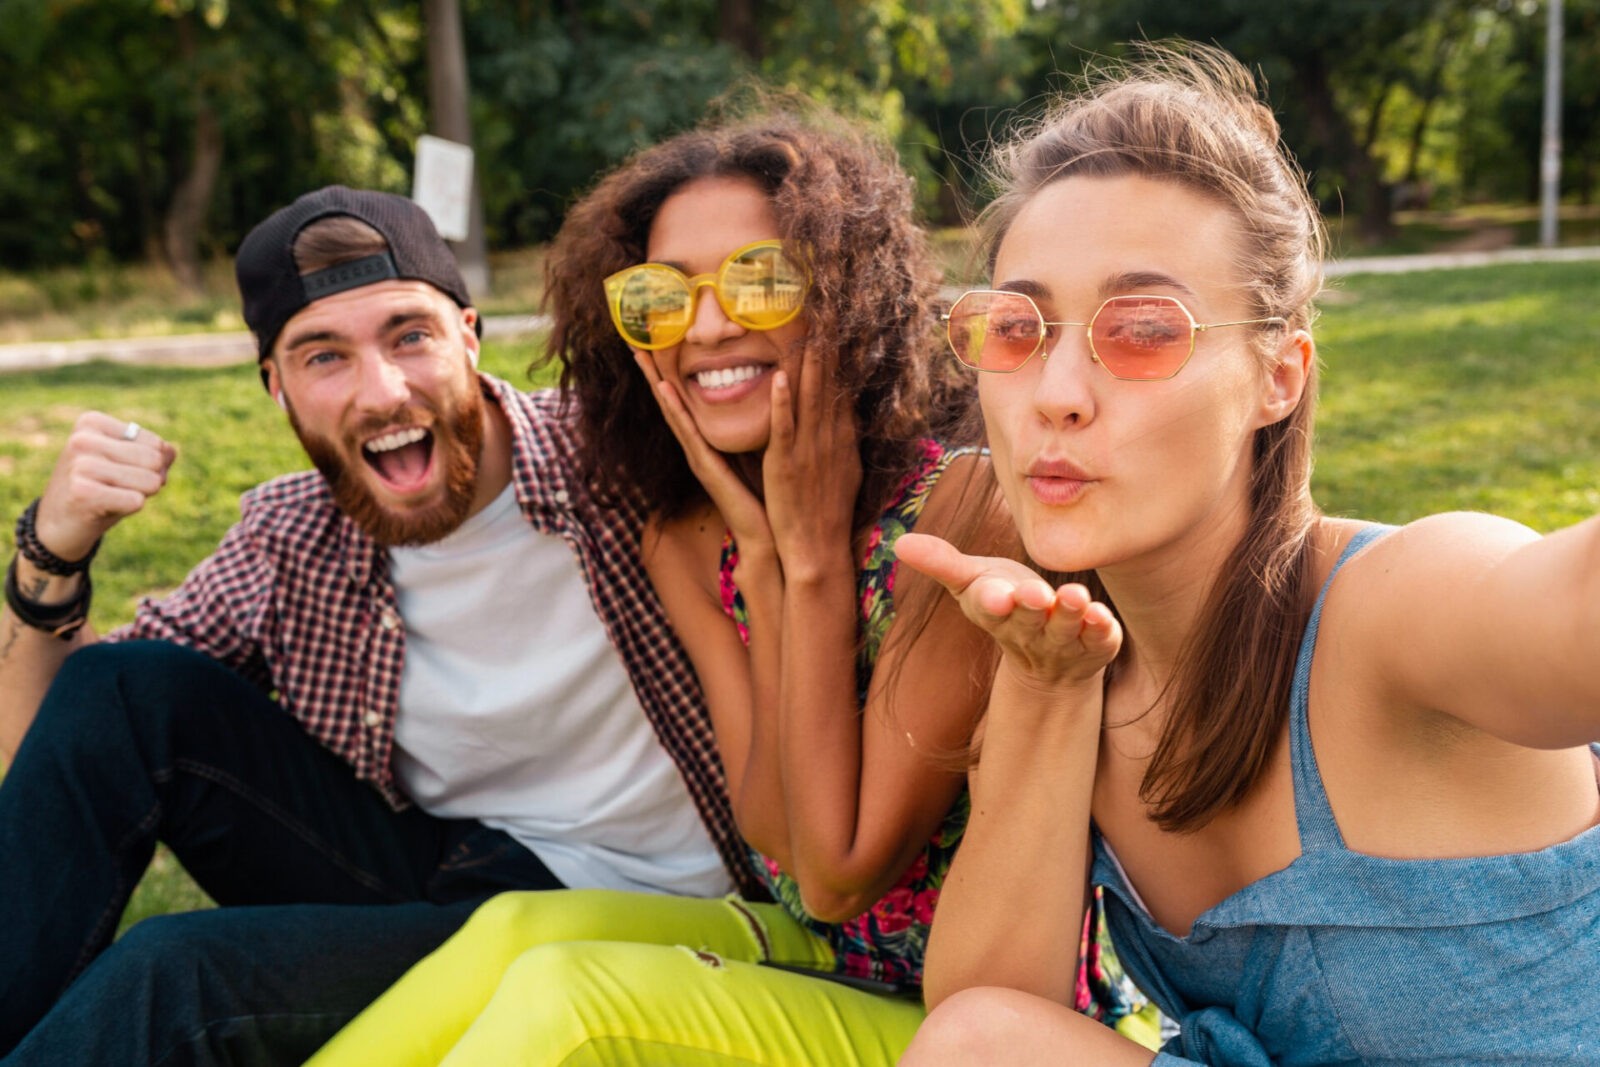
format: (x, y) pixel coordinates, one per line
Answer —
(34, 551)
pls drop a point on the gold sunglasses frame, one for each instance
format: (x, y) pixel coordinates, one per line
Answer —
(1088, 327)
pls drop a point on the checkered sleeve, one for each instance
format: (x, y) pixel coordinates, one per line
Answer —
(217, 610)
(664, 679)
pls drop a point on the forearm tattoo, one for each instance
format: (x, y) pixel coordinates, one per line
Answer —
(9, 630)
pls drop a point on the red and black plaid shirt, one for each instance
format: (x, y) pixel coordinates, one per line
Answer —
(298, 600)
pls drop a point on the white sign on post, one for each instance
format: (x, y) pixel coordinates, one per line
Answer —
(443, 185)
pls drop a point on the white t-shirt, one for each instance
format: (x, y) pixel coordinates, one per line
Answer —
(516, 710)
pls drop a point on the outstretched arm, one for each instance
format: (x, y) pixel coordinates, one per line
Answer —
(1502, 625)
(1033, 785)
(100, 478)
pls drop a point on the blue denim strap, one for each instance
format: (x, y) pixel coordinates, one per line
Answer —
(1318, 830)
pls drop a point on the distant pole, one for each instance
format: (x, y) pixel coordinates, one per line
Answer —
(450, 118)
(1550, 154)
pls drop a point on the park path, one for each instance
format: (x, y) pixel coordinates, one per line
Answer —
(189, 349)
(218, 349)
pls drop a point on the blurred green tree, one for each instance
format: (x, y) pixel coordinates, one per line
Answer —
(1331, 65)
(1505, 152)
(160, 129)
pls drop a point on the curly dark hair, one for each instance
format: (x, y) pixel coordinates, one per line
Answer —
(844, 210)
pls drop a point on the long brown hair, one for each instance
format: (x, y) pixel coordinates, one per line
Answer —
(1192, 115)
(844, 209)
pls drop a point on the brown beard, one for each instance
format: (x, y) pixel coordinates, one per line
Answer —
(457, 433)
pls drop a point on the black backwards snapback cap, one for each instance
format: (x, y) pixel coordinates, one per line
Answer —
(273, 289)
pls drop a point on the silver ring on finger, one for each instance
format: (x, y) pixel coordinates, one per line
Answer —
(130, 431)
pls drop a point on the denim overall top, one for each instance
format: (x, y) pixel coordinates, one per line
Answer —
(1344, 958)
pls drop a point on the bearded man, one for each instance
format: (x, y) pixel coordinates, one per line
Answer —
(430, 670)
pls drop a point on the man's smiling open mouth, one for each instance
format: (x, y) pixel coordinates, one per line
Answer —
(402, 459)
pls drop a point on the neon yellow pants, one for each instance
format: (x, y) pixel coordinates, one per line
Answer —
(584, 978)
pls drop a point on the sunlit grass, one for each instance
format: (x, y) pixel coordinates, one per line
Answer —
(1471, 227)
(105, 299)
(1468, 389)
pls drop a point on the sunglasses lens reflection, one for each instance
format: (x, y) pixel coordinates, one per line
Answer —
(1142, 337)
(994, 331)
(1137, 337)
(652, 306)
(759, 288)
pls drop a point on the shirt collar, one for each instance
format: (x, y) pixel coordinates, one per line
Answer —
(542, 480)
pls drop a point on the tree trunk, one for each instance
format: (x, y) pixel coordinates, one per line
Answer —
(452, 120)
(1376, 193)
(737, 25)
(144, 198)
(191, 201)
(1331, 130)
(1432, 87)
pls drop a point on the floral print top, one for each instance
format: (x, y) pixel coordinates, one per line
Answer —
(887, 941)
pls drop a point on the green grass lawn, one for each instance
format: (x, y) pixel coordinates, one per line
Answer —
(1451, 389)
(1471, 227)
(1474, 389)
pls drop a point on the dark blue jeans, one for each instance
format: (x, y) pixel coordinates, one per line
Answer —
(326, 895)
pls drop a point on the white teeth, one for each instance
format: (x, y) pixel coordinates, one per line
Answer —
(399, 439)
(722, 379)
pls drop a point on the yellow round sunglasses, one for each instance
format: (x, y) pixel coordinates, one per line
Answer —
(757, 286)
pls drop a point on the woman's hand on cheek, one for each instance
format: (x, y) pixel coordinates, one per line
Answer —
(740, 508)
(1049, 637)
(812, 468)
